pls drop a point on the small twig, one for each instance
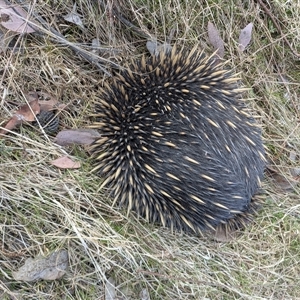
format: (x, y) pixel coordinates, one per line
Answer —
(268, 12)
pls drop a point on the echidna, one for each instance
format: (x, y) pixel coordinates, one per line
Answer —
(177, 144)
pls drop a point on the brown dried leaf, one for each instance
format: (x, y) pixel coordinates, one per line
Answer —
(47, 101)
(245, 37)
(77, 137)
(26, 112)
(14, 18)
(29, 111)
(65, 163)
(11, 124)
(215, 39)
(73, 17)
(49, 268)
(47, 105)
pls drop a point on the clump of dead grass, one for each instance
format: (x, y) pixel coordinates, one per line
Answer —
(44, 209)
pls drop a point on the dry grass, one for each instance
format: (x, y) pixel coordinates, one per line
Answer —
(43, 209)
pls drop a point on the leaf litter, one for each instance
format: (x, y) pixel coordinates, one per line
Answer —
(215, 39)
(26, 112)
(65, 162)
(74, 17)
(50, 268)
(76, 137)
(245, 37)
(15, 18)
(33, 107)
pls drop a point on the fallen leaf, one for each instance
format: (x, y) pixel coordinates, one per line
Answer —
(73, 17)
(65, 163)
(50, 268)
(144, 294)
(15, 18)
(151, 46)
(47, 105)
(77, 137)
(110, 289)
(29, 111)
(245, 37)
(155, 47)
(26, 112)
(215, 39)
(47, 101)
(14, 121)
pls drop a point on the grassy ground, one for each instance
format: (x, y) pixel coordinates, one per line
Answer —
(43, 209)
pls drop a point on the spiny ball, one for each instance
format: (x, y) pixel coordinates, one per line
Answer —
(177, 144)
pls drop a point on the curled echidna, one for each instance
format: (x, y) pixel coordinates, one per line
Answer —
(177, 145)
